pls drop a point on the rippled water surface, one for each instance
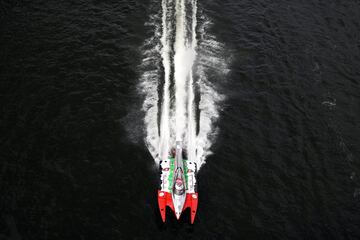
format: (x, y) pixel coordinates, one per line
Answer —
(285, 163)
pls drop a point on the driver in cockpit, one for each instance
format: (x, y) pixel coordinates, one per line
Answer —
(179, 187)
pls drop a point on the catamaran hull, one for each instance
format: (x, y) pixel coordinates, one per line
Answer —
(165, 199)
(178, 184)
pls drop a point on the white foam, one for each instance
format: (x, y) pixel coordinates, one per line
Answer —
(165, 111)
(191, 141)
(178, 121)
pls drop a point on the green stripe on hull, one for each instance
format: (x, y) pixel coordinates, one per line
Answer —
(171, 174)
(186, 176)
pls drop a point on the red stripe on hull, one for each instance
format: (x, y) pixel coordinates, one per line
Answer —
(165, 199)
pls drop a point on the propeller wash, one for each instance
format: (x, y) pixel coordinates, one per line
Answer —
(180, 102)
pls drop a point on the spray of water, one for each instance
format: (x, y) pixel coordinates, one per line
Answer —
(180, 41)
(165, 54)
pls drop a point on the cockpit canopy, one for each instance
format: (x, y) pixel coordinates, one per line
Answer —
(179, 186)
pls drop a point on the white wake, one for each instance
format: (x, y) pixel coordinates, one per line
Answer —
(178, 59)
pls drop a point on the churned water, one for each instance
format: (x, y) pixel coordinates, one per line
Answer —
(274, 109)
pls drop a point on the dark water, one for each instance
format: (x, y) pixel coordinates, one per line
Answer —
(286, 161)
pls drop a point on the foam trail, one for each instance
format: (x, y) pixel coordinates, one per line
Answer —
(210, 63)
(170, 56)
(180, 70)
(149, 85)
(165, 111)
(191, 142)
